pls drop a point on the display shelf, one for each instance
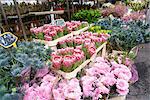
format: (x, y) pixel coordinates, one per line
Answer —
(47, 12)
(118, 98)
(37, 13)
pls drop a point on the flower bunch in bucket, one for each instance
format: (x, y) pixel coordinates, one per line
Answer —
(67, 59)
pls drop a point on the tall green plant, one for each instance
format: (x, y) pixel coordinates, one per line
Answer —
(90, 16)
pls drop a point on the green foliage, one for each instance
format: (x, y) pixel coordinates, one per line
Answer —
(87, 15)
(136, 6)
(94, 28)
(40, 36)
(15, 60)
(126, 35)
(98, 29)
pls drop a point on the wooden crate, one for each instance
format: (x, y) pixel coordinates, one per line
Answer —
(53, 43)
(118, 98)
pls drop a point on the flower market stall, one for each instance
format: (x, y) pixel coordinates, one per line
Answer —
(90, 57)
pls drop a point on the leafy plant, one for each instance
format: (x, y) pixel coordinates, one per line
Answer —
(13, 61)
(98, 29)
(87, 15)
(136, 6)
(126, 35)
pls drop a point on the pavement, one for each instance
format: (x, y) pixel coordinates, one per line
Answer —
(141, 89)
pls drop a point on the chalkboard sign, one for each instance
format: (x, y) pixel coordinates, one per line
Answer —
(59, 22)
(7, 40)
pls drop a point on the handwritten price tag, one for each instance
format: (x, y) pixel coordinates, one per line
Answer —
(59, 22)
(8, 39)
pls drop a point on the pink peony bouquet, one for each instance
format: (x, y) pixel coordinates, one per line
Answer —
(42, 91)
(67, 90)
(67, 59)
(104, 78)
(125, 60)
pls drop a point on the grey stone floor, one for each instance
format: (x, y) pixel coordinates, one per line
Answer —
(141, 89)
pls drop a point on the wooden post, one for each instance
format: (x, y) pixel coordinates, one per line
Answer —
(4, 14)
(20, 20)
(68, 10)
(98, 4)
(72, 6)
(81, 2)
(148, 14)
(37, 1)
(94, 2)
(0, 19)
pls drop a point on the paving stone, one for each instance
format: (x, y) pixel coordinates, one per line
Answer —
(141, 89)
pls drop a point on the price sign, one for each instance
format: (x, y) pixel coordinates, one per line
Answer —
(8, 39)
(59, 22)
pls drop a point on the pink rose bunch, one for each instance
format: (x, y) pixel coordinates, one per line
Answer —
(89, 41)
(68, 89)
(98, 39)
(53, 31)
(134, 16)
(89, 49)
(71, 42)
(103, 75)
(67, 59)
(73, 25)
(92, 41)
(86, 38)
(50, 32)
(42, 91)
(37, 30)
